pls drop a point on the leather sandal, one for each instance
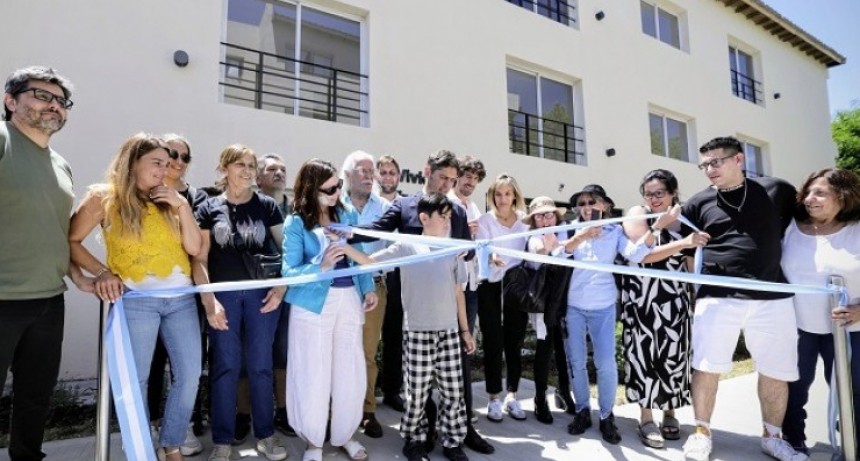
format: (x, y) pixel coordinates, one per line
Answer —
(355, 450)
(671, 428)
(650, 435)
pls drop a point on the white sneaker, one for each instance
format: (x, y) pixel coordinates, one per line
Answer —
(191, 446)
(698, 447)
(220, 453)
(781, 450)
(271, 448)
(494, 411)
(512, 407)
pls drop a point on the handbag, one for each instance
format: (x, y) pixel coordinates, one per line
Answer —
(525, 288)
(262, 266)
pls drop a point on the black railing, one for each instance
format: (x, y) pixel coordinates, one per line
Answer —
(746, 87)
(268, 81)
(557, 10)
(530, 135)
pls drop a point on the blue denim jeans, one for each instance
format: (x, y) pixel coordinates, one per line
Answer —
(600, 325)
(248, 341)
(176, 320)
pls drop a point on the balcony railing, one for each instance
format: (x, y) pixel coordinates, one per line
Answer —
(745, 87)
(542, 137)
(557, 10)
(268, 81)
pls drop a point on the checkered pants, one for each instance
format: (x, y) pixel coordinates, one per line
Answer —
(429, 354)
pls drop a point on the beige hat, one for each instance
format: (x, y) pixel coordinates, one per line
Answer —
(543, 204)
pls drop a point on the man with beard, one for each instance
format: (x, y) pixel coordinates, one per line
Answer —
(359, 175)
(389, 177)
(35, 204)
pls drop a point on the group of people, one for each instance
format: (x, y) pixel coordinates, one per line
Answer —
(303, 358)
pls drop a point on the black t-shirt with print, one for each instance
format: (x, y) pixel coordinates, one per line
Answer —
(234, 229)
(745, 243)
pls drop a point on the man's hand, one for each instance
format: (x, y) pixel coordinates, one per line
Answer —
(468, 342)
(370, 301)
(216, 316)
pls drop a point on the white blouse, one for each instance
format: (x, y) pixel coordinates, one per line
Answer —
(490, 227)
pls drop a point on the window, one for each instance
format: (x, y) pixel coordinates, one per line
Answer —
(261, 68)
(669, 137)
(754, 160)
(562, 11)
(541, 118)
(661, 24)
(742, 70)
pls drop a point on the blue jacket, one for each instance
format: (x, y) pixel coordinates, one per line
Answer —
(300, 247)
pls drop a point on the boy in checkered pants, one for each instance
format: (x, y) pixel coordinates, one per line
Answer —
(434, 322)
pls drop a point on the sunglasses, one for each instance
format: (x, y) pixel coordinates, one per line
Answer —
(586, 203)
(186, 158)
(331, 190)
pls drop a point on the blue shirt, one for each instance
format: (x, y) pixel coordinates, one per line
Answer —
(375, 207)
(590, 289)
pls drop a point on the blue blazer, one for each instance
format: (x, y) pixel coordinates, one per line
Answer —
(300, 247)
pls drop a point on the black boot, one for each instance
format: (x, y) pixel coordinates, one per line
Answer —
(542, 412)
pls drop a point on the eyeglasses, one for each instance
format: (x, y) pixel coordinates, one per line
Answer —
(545, 215)
(656, 194)
(715, 163)
(186, 158)
(366, 172)
(48, 97)
(586, 203)
(331, 190)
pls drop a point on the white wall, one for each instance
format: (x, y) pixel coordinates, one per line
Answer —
(437, 80)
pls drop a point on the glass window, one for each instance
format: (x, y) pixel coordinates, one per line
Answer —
(649, 19)
(753, 159)
(669, 31)
(668, 137)
(742, 72)
(561, 11)
(541, 118)
(324, 75)
(660, 24)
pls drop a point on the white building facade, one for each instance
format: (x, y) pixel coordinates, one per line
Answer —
(557, 93)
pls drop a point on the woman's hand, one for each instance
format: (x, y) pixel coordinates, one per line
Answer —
(550, 242)
(468, 342)
(670, 216)
(216, 316)
(696, 239)
(108, 287)
(332, 254)
(168, 195)
(588, 233)
(846, 315)
(496, 260)
(273, 299)
(370, 301)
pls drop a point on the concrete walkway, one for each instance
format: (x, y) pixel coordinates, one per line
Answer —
(736, 424)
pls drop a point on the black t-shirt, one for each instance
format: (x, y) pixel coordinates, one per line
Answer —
(234, 229)
(194, 196)
(745, 243)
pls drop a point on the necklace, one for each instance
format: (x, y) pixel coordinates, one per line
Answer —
(743, 199)
(826, 228)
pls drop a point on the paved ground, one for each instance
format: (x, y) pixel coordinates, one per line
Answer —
(736, 425)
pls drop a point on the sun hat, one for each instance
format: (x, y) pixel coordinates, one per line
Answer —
(540, 205)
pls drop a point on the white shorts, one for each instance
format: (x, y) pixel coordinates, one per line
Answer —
(770, 333)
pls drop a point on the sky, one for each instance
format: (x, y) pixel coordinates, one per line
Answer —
(834, 22)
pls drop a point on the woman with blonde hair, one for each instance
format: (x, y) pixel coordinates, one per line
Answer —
(507, 210)
(237, 225)
(150, 232)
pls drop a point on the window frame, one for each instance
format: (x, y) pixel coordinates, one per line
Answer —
(664, 125)
(759, 162)
(735, 48)
(670, 9)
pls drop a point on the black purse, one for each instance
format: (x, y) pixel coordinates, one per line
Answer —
(525, 288)
(262, 266)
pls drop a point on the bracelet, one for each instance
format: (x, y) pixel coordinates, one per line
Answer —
(99, 274)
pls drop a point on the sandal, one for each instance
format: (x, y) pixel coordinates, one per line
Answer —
(355, 450)
(671, 428)
(313, 454)
(650, 435)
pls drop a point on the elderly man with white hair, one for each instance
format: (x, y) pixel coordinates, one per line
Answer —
(359, 190)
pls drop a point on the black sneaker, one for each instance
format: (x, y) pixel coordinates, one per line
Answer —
(394, 401)
(542, 412)
(371, 426)
(414, 451)
(282, 423)
(243, 427)
(455, 453)
(581, 422)
(475, 442)
(609, 430)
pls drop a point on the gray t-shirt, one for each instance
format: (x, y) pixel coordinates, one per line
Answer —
(427, 288)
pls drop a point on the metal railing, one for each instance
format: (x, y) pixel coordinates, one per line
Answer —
(557, 10)
(745, 87)
(542, 137)
(103, 403)
(265, 80)
(842, 366)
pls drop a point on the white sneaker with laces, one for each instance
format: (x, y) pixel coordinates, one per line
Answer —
(512, 407)
(778, 448)
(494, 410)
(698, 447)
(271, 448)
(191, 446)
(220, 453)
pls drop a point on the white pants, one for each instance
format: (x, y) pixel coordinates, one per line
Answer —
(325, 364)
